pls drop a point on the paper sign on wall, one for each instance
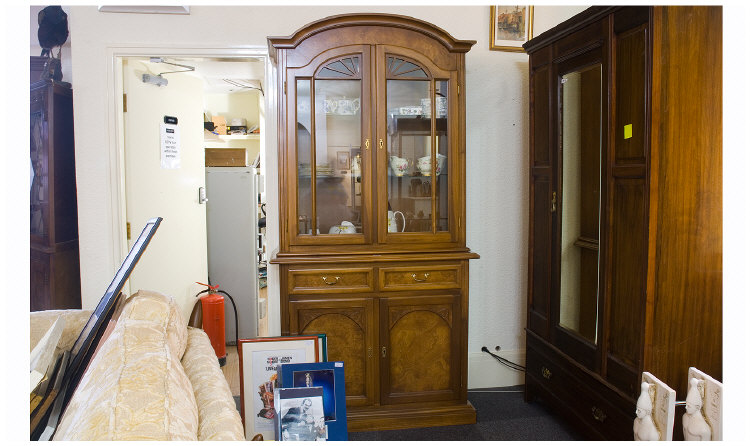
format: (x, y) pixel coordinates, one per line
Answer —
(170, 146)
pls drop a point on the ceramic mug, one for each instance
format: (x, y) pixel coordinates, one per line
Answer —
(399, 166)
(392, 227)
(330, 105)
(347, 106)
(441, 105)
(424, 165)
(426, 105)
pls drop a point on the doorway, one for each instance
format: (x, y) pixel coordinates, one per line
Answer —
(195, 91)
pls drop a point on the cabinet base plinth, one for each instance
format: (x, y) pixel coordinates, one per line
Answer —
(390, 418)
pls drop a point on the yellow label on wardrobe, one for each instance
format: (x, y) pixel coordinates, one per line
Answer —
(628, 131)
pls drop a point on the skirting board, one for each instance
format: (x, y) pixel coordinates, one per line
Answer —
(486, 371)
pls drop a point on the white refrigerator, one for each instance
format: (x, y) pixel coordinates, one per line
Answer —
(232, 225)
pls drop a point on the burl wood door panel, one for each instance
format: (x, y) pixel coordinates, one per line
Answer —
(419, 349)
(348, 325)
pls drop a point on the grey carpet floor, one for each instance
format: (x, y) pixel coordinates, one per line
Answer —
(502, 415)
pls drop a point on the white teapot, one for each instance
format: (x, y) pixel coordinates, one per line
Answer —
(346, 227)
(392, 227)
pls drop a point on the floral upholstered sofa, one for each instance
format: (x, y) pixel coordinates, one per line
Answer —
(152, 378)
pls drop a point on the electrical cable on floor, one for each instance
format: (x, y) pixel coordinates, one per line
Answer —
(505, 362)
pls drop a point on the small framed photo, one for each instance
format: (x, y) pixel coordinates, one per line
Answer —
(342, 160)
(260, 359)
(510, 27)
(330, 377)
(299, 414)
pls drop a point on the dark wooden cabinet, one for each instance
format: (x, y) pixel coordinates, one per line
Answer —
(55, 271)
(625, 236)
(372, 206)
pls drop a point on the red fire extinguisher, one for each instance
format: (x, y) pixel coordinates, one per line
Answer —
(212, 305)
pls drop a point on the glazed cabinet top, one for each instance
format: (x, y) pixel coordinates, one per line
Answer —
(371, 137)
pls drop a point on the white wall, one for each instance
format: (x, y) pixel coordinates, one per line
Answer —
(497, 143)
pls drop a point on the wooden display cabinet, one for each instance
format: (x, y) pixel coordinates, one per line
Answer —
(372, 207)
(625, 271)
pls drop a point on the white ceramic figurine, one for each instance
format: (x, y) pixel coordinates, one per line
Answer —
(694, 425)
(644, 428)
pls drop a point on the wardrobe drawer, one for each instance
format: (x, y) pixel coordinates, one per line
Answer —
(597, 410)
(402, 278)
(333, 280)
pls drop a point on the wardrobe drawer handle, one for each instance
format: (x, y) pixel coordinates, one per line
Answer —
(334, 282)
(546, 373)
(598, 414)
(423, 279)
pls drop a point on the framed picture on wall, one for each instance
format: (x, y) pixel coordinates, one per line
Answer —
(342, 160)
(510, 27)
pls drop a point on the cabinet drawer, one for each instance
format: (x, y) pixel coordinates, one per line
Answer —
(333, 280)
(403, 278)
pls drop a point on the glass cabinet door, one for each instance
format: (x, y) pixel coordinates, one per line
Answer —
(328, 147)
(418, 148)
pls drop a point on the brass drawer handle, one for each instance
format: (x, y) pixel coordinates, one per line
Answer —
(598, 414)
(335, 280)
(546, 373)
(426, 275)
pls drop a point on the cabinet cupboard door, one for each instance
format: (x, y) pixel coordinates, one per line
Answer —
(417, 131)
(543, 200)
(348, 325)
(328, 131)
(419, 353)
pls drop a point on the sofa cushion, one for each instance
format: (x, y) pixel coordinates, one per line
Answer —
(218, 418)
(135, 387)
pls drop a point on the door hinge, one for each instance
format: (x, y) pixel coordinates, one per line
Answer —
(458, 89)
(124, 102)
(284, 88)
(127, 229)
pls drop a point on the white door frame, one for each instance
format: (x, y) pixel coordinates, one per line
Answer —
(116, 149)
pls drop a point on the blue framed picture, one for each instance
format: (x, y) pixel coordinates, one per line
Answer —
(330, 377)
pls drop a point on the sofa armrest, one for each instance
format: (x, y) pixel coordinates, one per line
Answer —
(218, 418)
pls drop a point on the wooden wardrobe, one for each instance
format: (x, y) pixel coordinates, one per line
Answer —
(625, 213)
(54, 263)
(372, 205)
